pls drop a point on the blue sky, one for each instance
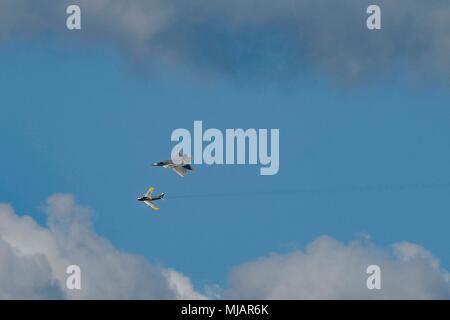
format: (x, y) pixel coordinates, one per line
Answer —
(79, 119)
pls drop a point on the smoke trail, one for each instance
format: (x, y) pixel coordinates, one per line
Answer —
(320, 191)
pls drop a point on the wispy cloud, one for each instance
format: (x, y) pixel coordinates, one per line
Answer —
(281, 38)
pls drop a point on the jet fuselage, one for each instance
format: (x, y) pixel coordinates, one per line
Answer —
(151, 198)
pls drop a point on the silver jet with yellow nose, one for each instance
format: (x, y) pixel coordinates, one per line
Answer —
(149, 198)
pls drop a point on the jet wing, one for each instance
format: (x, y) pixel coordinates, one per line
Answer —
(149, 192)
(181, 159)
(151, 205)
(185, 159)
(180, 170)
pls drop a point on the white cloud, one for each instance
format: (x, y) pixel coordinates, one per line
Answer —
(182, 286)
(33, 259)
(27, 277)
(329, 269)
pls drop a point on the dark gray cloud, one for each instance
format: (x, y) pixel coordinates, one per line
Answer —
(282, 38)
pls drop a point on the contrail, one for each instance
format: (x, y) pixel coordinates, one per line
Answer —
(320, 191)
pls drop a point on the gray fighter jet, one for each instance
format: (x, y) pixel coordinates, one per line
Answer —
(181, 164)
